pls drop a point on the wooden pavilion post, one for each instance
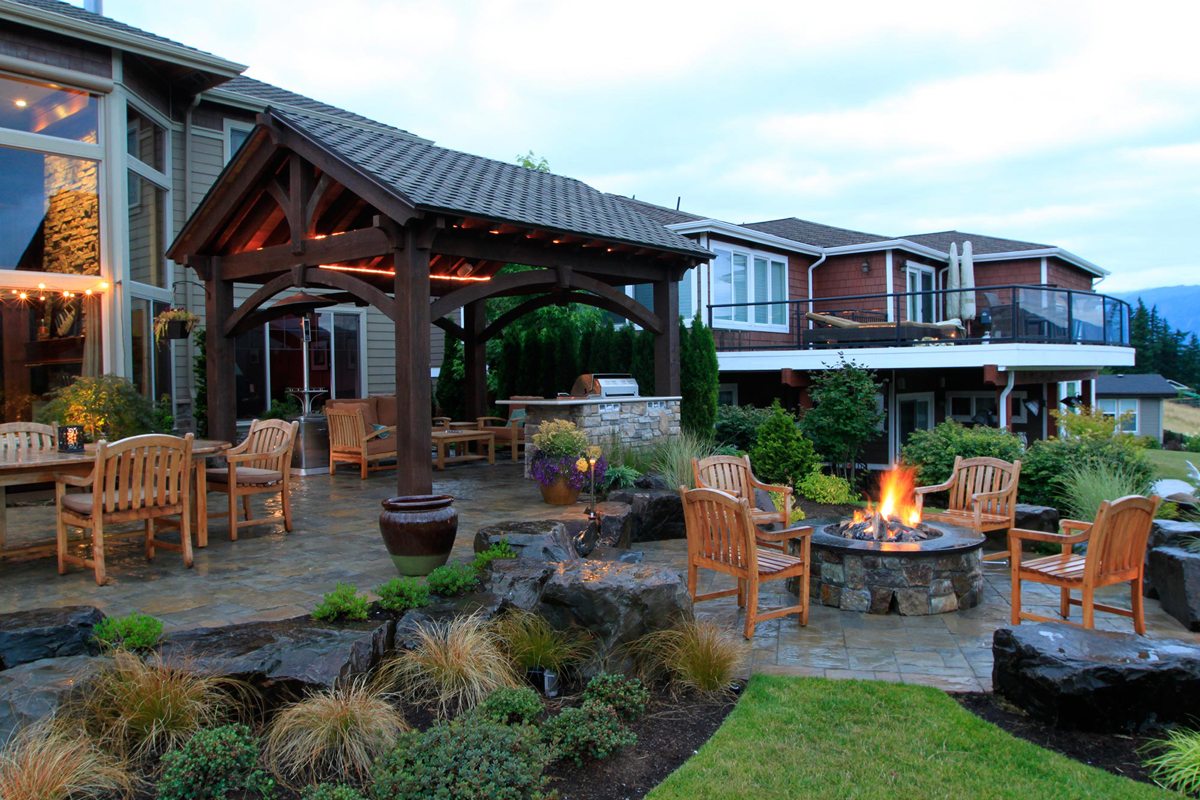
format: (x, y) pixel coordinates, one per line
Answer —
(414, 465)
(475, 359)
(666, 344)
(219, 356)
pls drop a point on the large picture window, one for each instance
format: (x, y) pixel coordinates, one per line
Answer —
(33, 107)
(49, 212)
(742, 276)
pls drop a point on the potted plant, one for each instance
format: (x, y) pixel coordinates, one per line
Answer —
(174, 323)
(562, 463)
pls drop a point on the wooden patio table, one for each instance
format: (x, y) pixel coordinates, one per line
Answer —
(443, 438)
(35, 467)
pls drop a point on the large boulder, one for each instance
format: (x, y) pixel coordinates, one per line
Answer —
(483, 604)
(656, 514)
(543, 540)
(283, 658)
(1037, 518)
(47, 633)
(1175, 574)
(616, 602)
(35, 689)
(1166, 533)
(1096, 680)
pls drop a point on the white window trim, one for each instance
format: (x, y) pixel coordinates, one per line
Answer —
(1020, 413)
(1137, 412)
(162, 180)
(911, 267)
(748, 324)
(230, 126)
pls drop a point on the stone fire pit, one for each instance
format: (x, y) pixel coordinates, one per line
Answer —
(933, 576)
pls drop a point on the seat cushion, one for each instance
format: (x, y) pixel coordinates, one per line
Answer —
(385, 409)
(378, 446)
(246, 476)
(367, 405)
(78, 503)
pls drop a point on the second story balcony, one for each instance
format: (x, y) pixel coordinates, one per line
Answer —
(1013, 314)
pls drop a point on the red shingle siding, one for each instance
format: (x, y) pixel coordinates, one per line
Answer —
(843, 275)
(1025, 271)
(1067, 276)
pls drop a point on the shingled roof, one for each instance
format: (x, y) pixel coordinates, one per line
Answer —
(814, 233)
(1134, 385)
(980, 244)
(435, 178)
(660, 214)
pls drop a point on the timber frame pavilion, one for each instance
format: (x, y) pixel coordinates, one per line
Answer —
(380, 217)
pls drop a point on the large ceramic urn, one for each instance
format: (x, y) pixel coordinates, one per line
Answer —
(419, 531)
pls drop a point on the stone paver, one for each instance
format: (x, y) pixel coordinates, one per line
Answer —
(266, 575)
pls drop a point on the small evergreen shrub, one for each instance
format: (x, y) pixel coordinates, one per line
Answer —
(401, 594)
(781, 453)
(215, 764)
(133, 631)
(738, 425)
(501, 549)
(932, 452)
(777, 499)
(451, 580)
(464, 760)
(828, 489)
(330, 791)
(509, 706)
(625, 695)
(1047, 460)
(343, 603)
(593, 731)
(107, 406)
(1192, 443)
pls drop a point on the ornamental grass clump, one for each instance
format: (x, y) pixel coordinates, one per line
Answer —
(672, 458)
(1177, 764)
(453, 667)
(1085, 486)
(140, 709)
(47, 761)
(532, 642)
(335, 734)
(694, 656)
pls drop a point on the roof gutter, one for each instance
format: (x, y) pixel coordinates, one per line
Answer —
(1057, 252)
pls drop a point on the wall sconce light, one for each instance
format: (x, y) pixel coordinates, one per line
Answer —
(866, 266)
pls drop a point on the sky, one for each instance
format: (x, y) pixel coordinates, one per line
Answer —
(1075, 124)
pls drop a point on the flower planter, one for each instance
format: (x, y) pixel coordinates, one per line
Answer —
(177, 329)
(419, 531)
(559, 493)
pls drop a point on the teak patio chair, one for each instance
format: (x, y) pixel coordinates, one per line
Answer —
(1116, 553)
(722, 536)
(140, 478)
(510, 431)
(262, 464)
(351, 443)
(982, 496)
(17, 437)
(733, 475)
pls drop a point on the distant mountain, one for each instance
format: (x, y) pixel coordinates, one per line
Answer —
(1179, 304)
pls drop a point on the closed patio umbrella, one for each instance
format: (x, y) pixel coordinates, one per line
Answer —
(967, 282)
(953, 281)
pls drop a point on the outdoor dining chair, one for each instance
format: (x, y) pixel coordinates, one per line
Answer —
(981, 495)
(733, 475)
(261, 464)
(722, 537)
(17, 437)
(1116, 553)
(139, 479)
(350, 442)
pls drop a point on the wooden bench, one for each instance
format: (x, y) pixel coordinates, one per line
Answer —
(460, 440)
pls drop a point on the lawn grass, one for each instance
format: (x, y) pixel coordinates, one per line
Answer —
(794, 738)
(1170, 463)
(1181, 418)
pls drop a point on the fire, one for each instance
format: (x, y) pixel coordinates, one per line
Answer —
(895, 498)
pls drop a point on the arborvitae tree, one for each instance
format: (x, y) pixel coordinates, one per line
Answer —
(642, 361)
(698, 377)
(449, 390)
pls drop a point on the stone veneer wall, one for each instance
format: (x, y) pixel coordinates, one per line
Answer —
(635, 423)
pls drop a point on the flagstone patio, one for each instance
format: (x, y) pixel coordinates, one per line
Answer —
(267, 575)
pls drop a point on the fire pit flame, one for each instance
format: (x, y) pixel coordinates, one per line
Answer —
(897, 519)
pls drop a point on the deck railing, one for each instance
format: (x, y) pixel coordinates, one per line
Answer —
(1013, 313)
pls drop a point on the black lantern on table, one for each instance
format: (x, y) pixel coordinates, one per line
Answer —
(70, 438)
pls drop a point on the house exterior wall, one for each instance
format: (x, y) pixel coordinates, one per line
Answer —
(19, 41)
(1067, 276)
(842, 275)
(728, 335)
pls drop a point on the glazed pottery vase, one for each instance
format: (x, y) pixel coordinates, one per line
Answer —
(559, 493)
(419, 531)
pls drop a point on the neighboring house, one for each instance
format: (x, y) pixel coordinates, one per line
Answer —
(787, 297)
(1139, 396)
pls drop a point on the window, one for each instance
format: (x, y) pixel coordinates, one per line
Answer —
(236, 134)
(920, 288)
(48, 110)
(49, 212)
(979, 408)
(151, 360)
(1116, 407)
(146, 140)
(147, 231)
(914, 412)
(644, 294)
(740, 277)
(727, 394)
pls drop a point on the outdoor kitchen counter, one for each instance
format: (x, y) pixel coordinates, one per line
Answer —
(581, 401)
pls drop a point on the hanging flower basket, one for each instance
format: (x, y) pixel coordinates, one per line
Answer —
(174, 323)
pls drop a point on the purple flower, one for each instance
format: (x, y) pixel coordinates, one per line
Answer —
(546, 470)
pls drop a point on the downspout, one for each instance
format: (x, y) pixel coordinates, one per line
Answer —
(891, 288)
(1008, 387)
(812, 267)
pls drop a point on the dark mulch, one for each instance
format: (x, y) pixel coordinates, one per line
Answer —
(1117, 753)
(670, 733)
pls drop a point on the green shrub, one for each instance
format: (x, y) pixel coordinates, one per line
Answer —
(672, 458)
(215, 764)
(1047, 460)
(1085, 486)
(532, 642)
(343, 603)
(451, 580)
(330, 791)
(932, 452)
(593, 731)
(107, 406)
(781, 453)
(467, 759)
(845, 414)
(738, 425)
(620, 477)
(511, 706)
(698, 378)
(287, 407)
(1192, 443)
(401, 594)
(829, 489)
(1177, 765)
(501, 549)
(627, 696)
(133, 631)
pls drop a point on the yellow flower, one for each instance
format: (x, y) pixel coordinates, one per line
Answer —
(582, 465)
(594, 452)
